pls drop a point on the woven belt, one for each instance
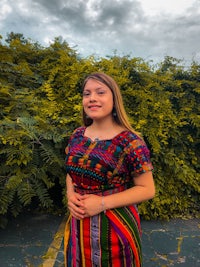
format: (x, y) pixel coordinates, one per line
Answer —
(102, 192)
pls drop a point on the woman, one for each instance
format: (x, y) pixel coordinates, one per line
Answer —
(108, 172)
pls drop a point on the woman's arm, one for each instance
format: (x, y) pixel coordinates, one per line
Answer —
(69, 184)
(143, 189)
(75, 205)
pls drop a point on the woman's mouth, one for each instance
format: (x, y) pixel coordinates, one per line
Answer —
(94, 107)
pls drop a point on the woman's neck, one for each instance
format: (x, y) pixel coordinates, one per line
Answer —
(103, 125)
(103, 130)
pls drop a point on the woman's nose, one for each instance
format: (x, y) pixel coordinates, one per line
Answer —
(92, 97)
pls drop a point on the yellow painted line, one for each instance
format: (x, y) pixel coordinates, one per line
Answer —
(52, 252)
(180, 241)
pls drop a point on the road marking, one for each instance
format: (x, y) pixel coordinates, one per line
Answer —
(52, 252)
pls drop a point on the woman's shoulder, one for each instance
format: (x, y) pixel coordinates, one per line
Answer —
(79, 131)
(130, 136)
(130, 139)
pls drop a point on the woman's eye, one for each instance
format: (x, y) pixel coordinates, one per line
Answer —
(101, 92)
(86, 93)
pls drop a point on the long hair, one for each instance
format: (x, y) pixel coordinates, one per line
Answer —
(119, 113)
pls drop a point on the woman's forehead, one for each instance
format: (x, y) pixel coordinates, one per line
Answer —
(93, 83)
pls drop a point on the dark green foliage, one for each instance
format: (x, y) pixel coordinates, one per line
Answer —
(40, 105)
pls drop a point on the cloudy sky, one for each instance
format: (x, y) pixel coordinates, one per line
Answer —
(151, 29)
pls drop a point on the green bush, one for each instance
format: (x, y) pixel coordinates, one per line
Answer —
(40, 105)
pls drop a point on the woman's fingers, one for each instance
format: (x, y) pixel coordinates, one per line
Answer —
(75, 206)
(76, 214)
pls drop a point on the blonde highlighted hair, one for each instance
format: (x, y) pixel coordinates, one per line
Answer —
(119, 113)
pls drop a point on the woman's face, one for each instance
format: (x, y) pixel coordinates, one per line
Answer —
(97, 100)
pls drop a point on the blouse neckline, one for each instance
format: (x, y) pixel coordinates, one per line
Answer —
(101, 140)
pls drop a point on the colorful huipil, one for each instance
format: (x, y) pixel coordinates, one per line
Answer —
(111, 238)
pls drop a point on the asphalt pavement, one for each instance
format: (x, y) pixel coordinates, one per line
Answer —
(36, 240)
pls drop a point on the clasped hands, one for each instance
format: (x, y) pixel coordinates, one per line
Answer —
(82, 206)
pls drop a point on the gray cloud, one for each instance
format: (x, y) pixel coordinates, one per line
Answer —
(99, 27)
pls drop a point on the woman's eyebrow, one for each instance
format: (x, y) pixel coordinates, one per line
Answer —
(97, 88)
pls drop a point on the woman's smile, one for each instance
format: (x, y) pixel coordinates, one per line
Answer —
(94, 107)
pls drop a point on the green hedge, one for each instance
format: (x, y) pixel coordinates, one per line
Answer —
(40, 105)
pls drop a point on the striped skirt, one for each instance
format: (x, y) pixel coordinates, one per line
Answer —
(110, 239)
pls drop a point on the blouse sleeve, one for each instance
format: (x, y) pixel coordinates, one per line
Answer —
(138, 157)
(76, 133)
(67, 149)
(67, 156)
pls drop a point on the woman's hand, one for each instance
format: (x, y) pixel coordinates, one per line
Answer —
(75, 205)
(92, 205)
